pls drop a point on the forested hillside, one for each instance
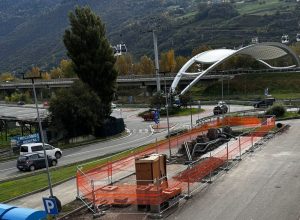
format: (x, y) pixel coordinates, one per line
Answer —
(31, 30)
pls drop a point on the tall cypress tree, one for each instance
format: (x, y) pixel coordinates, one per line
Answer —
(91, 54)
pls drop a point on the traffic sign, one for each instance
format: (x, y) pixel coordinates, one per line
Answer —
(50, 206)
(156, 117)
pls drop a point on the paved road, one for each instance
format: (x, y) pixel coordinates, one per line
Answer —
(139, 134)
(264, 186)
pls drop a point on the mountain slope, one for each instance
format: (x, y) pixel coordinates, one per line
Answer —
(31, 30)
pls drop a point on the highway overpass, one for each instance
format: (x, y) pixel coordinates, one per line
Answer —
(137, 80)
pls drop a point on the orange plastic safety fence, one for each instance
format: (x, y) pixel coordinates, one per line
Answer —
(200, 170)
(92, 184)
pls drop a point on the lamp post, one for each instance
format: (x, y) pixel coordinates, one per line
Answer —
(32, 78)
(167, 110)
(153, 25)
(156, 61)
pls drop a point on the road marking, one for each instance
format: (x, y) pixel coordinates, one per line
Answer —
(100, 149)
(84, 152)
(8, 169)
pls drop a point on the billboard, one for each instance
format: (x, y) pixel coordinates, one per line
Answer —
(17, 141)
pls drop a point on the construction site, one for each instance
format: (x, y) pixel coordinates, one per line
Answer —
(154, 180)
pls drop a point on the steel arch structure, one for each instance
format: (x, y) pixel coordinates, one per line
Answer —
(262, 52)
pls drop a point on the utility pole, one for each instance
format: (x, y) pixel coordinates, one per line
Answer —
(156, 61)
(32, 78)
(167, 110)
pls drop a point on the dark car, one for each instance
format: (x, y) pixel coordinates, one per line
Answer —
(148, 115)
(264, 103)
(221, 108)
(34, 161)
(21, 103)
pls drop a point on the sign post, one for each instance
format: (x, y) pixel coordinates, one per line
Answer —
(156, 117)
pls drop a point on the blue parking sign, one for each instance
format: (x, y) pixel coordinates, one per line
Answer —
(50, 206)
(156, 117)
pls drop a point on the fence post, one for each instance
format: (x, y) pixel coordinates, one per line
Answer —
(107, 165)
(251, 150)
(240, 150)
(94, 197)
(188, 178)
(227, 155)
(77, 184)
(210, 170)
(177, 140)
(109, 172)
(111, 176)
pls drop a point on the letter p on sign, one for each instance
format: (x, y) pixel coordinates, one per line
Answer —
(50, 206)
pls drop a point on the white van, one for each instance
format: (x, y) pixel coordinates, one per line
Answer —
(38, 148)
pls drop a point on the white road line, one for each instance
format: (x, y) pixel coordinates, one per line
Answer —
(8, 169)
(11, 168)
(100, 149)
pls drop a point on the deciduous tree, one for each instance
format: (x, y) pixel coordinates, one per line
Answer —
(124, 64)
(67, 70)
(75, 110)
(167, 61)
(146, 65)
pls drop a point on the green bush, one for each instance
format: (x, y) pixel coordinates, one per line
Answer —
(277, 110)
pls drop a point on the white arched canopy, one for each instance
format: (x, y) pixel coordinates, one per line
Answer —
(261, 52)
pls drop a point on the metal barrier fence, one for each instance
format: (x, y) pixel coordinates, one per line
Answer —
(114, 183)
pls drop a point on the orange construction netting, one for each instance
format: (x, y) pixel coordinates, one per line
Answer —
(96, 183)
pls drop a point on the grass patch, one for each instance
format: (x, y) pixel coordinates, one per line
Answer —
(187, 111)
(289, 115)
(13, 188)
(268, 7)
(177, 112)
(245, 87)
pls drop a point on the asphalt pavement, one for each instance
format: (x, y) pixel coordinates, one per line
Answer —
(67, 190)
(264, 186)
(139, 133)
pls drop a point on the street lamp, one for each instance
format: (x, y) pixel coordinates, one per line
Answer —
(167, 110)
(152, 26)
(32, 78)
(156, 61)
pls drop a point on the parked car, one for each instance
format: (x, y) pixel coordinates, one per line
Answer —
(113, 105)
(264, 103)
(45, 104)
(21, 103)
(149, 115)
(33, 161)
(221, 108)
(38, 148)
